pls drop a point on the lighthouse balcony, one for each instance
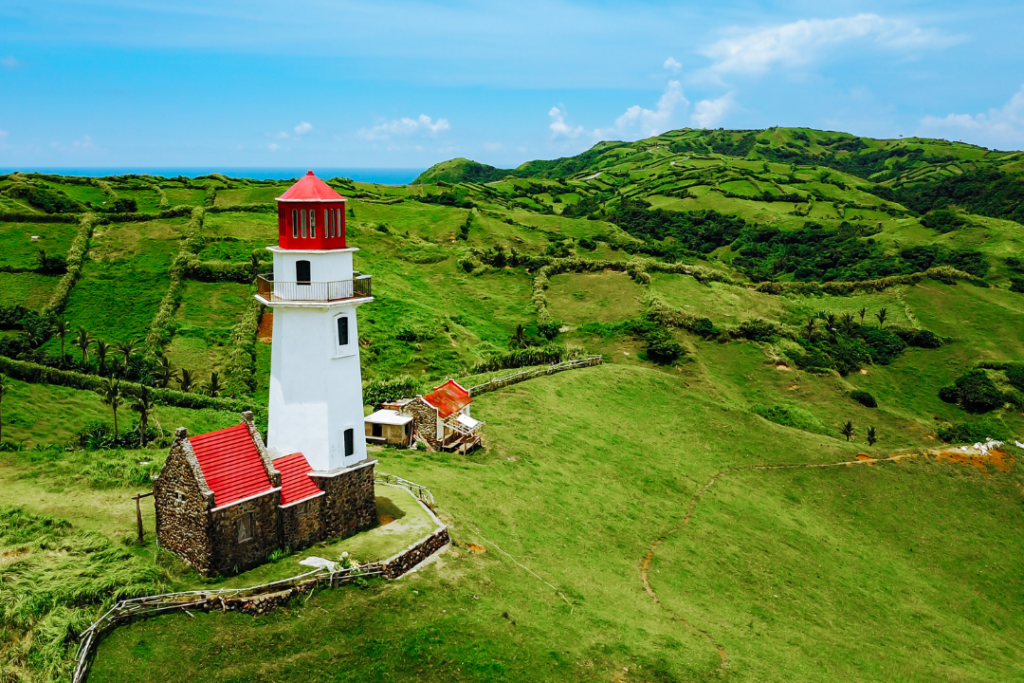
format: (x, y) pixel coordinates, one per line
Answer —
(286, 292)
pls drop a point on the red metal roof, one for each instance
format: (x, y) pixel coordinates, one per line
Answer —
(296, 484)
(310, 188)
(448, 398)
(231, 464)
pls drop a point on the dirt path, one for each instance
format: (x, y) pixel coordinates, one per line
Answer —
(861, 460)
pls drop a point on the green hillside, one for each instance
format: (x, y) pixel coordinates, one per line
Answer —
(753, 293)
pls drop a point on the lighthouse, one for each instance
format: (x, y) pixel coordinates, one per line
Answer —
(316, 396)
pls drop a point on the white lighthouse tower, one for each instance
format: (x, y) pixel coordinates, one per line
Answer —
(316, 395)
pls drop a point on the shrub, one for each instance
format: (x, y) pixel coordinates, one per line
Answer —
(1017, 285)
(849, 355)
(974, 391)
(662, 348)
(864, 398)
(884, 346)
(535, 355)
(790, 416)
(923, 339)
(972, 432)
(382, 391)
(757, 329)
(1015, 376)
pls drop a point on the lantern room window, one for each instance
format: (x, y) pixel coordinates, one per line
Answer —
(312, 223)
(305, 226)
(295, 223)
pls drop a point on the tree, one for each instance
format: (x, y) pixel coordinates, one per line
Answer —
(143, 405)
(185, 381)
(214, 387)
(811, 329)
(862, 312)
(519, 339)
(5, 386)
(872, 436)
(164, 373)
(61, 327)
(102, 349)
(847, 323)
(125, 349)
(83, 340)
(112, 395)
(847, 430)
(254, 263)
(882, 314)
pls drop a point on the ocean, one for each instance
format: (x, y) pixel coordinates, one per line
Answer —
(383, 176)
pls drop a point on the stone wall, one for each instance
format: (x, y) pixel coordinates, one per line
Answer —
(349, 504)
(302, 524)
(395, 566)
(425, 419)
(183, 500)
(231, 555)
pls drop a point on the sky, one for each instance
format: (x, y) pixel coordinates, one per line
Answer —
(332, 83)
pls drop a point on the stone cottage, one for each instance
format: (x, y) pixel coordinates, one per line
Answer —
(223, 503)
(442, 418)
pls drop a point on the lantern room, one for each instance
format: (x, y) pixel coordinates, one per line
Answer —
(311, 216)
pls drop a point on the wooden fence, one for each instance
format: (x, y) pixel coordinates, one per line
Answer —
(523, 375)
(257, 599)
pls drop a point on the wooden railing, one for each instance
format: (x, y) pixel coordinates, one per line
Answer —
(269, 290)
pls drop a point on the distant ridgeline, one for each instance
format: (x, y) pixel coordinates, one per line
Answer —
(792, 204)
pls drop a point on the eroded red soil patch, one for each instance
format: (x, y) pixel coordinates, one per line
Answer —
(477, 548)
(1001, 460)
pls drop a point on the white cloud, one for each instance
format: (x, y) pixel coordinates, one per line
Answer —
(638, 122)
(561, 128)
(273, 147)
(303, 128)
(708, 113)
(10, 62)
(801, 42)
(423, 125)
(672, 65)
(1002, 126)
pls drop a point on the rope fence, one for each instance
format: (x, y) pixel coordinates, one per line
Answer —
(523, 375)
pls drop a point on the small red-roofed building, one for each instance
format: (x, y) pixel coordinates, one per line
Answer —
(442, 418)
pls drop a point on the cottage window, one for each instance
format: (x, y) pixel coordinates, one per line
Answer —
(377, 429)
(295, 223)
(244, 524)
(343, 331)
(350, 442)
(301, 508)
(302, 272)
(312, 223)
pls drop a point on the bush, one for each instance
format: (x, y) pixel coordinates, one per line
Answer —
(864, 398)
(884, 346)
(1017, 285)
(923, 339)
(1015, 376)
(975, 392)
(972, 432)
(790, 416)
(383, 391)
(849, 355)
(662, 348)
(757, 329)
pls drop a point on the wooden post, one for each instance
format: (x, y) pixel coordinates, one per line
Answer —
(138, 512)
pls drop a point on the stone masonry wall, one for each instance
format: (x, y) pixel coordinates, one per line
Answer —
(230, 555)
(425, 419)
(302, 527)
(182, 501)
(399, 564)
(349, 504)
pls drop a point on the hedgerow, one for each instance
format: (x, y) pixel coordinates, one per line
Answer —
(75, 259)
(242, 369)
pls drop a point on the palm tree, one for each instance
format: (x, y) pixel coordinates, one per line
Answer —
(213, 387)
(102, 349)
(61, 327)
(111, 394)
(811, 329)
(185, 381)
(519, 340)
(83, 341)
(254, 263)
(5, 386)
(126, 349)
(881, 315)
(847, 322)
(164, 373)
(143, 405)
(872, 436)
(862, 312)
(847, 430)
(830, 326)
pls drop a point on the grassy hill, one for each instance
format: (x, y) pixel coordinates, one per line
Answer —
(746, 288)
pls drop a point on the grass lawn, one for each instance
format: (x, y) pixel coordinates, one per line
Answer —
(577, 298)
(20, 250)
(28, 289)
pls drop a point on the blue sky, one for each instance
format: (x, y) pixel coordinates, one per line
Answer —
(253, 83)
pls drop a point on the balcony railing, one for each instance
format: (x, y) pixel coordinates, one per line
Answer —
(271, 291)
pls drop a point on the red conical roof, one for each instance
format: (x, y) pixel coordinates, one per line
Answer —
(310, 189)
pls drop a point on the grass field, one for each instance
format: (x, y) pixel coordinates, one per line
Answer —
(870, 572)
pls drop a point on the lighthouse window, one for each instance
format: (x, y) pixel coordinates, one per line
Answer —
(295, 223)
(312, 223)
(350, 442)
(302, 272)
(305, 230)
(331, 223)
(337, 220)
(343, 331)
